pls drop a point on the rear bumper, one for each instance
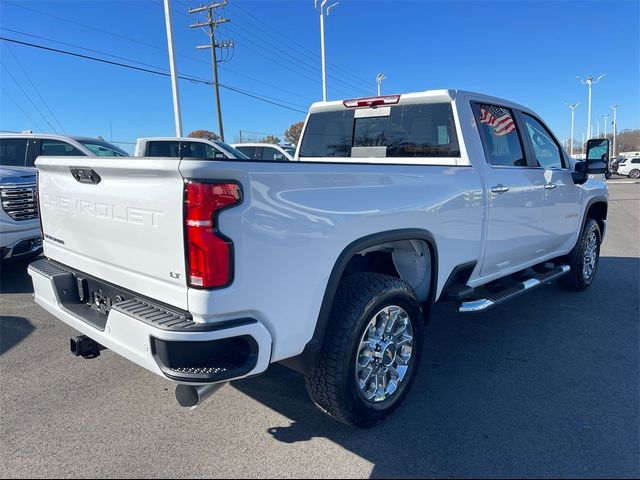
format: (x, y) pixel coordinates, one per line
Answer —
(175, 348)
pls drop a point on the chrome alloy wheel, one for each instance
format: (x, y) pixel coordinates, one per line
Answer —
(384, 354)
(590, 256)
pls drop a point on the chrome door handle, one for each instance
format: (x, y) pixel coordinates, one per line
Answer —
(499, 188)
(550, 186)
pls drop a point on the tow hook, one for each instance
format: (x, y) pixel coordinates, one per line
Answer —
(85, 347)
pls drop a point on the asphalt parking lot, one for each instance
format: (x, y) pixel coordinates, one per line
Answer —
(545, 386)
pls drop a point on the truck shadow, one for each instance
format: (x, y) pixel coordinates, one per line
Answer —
(545, 385)
(13, 330)
(14, 277)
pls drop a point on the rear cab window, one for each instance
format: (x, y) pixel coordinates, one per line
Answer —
(425, 130)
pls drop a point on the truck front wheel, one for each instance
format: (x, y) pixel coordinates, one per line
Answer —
(583, 259)
(371, 351)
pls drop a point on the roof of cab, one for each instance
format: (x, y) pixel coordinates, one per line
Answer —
(431, 96)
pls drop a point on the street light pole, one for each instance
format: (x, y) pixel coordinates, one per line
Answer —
(174, 72)
(604, 120)
(379, 78)
(323, 11)
(572, 106)
(589, 82)
(598, 123)
(614, 107)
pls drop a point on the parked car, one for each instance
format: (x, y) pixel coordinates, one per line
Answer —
(186, 147)
(630, 167)
(265, 151)
(19, 225)
(205, 271)
(22, 149)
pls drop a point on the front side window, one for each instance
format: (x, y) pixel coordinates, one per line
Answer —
(13, 151)
(56, 148)
(545, 149)
(500, 139)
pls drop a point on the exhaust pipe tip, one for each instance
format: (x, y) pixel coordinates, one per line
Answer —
(190, 396)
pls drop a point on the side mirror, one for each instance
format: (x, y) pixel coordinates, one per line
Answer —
(278, 156)
(219, 155)
(597, 160)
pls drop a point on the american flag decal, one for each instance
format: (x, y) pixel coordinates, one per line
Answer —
(498, 118)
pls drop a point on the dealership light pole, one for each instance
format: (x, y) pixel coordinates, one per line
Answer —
(572, 106)
(174, 72)
(379, 78)
(604, 120)
(614, 107)
(323, 11)
(589, 82)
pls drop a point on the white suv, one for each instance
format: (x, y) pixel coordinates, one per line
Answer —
(630, 167)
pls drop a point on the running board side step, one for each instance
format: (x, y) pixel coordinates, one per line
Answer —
(482, 304)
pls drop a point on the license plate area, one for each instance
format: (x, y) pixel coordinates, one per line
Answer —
(87, 298)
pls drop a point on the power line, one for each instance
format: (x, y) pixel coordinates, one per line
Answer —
(21, 109)
(298, 46)
(307, 67)
(106, 32)
(35, 88)
(29, 98)
(262, 98)
(226, 69)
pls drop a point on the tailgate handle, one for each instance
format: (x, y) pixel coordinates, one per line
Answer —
(85, 175)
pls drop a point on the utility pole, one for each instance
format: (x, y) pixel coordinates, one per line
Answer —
(572, 106)
(589, 82)
(598, 123)
(583, 143)
(323, 11)
(614, 107)
(379, 78)
(212, 23)
(174, 72)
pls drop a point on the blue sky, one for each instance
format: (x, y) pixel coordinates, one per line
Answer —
(526, 51)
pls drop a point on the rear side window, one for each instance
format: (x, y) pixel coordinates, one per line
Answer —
(500, 139)
(269, 153)
(56, 148)
(635, 160)
(163, 149)
(420, 130)
(13, 151)
(198, 150)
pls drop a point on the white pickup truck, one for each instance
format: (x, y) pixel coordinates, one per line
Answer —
(208, 271)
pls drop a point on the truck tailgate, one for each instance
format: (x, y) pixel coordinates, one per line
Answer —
(117, 219)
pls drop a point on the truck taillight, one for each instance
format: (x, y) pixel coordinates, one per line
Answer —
(209, 253)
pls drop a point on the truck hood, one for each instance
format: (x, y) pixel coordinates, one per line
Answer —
(13, 175)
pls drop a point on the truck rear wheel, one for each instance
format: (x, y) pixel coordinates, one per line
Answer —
(583, 259)
(371, 351)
